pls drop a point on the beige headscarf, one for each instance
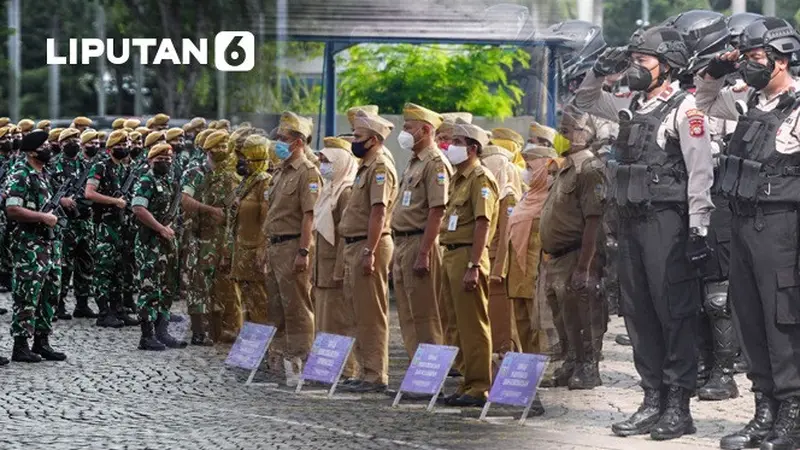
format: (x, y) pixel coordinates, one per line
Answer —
(344, 174)
(499, 161)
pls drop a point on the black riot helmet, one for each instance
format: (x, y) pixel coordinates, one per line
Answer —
(705, 34)
(664, 43)
(581, 42)
(738, 22)
(774, 35)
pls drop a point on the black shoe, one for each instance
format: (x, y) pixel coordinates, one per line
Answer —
(202, 339)
(41, 345)
(410, 396)
(447, 399)
(720, 385)
(677, 418)
(162, 334)
(562, 375)
(757, 429)
(126, 320)
(108, 320)
(82, 309)
(785, 434)
(21, 352)
(3, 311)
(644, 419)
(148, 341)
(454, 373)
(623, 339)
(468, 401)
(3, 361)
(585, 377)
(61, 312)
(365, 387)
(704, 365)
(176, 318)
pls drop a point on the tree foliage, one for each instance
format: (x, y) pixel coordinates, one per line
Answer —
(444, 78)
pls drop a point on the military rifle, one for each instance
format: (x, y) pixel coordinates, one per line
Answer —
(53, 206)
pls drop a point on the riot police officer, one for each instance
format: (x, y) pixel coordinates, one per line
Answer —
(761, 177)
(662, 189)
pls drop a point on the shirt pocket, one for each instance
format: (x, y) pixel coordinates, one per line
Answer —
(289, 186)
(462, 206)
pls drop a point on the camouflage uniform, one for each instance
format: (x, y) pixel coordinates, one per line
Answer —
(154, 255)
(78, 237)
(109, 227)
(5, 228)
(193, 184)
(130, 282)
(37, 270)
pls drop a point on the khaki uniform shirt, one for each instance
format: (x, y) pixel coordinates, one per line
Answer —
(423, 185)
(292, 193)
(375, 184)
(473, 195)
(576, 193)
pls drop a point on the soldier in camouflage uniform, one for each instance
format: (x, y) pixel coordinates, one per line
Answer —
(78, 242)
(106, 177)
(36, 270)
(154, 196)
(137, 162)
(6, 147)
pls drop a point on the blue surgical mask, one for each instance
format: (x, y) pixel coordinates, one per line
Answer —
(282, 150)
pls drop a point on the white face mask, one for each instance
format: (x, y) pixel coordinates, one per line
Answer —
(326, 169)
(456, 154)
(406, 140)
(527, 176)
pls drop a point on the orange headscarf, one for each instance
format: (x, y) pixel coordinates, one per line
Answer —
(529, 209)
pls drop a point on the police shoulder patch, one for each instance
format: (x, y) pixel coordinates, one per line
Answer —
(441, 177)
(313, 187)
(380, 177)
(694, 112)
(485, 192)
(696, 127)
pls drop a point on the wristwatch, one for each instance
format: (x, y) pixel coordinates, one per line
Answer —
(699, 231)
(366, 252)
(302, 252)
(472, 265)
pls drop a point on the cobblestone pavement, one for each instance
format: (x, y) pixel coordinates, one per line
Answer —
(108, 395)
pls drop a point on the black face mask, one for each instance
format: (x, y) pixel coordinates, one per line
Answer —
(17, 144)
(56, 149)
(91, 152)
(161, 168)
(135, 152)
(6, 146)
(119, 152)
(71, 149)
(360, 149)
(639, 78)
(43, 155)
(241, 168)
(756, 75)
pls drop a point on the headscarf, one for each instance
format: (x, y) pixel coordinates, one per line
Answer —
(528, 209)
(344, 174)
(256, 151)
(498, 161)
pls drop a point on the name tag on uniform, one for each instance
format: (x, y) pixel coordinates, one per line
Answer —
(159, 189)
(406, 198)
(452, 224)
(30, 205)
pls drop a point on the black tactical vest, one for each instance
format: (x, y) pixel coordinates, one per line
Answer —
(754, 171)
(648, 173)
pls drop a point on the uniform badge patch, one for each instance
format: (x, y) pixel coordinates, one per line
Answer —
(266, 195)
(380, 178)
(509, 210)
(313, 187)
(598, 191)
(440, 178)
(696, 127)
(485, 192)
(694, 113)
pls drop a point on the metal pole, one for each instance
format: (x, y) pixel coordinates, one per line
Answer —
(282, 35)
(645, 13)
(586, 10)
(330, 90)
(101, 63)
(54, 95)
(138, 75)
(14, 55)
(769, 7)
(738, 6)
(221, 94)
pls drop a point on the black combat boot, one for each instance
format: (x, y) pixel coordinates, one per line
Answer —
(162, 333)
(61, 311)
(677, 418)
(644, 419)
(122, 315)
(5, 282)
(785, 434)
(3, 311)
(3, 361)
(107, 317)
(586, 375)
(82, 309)
(41, 345)
(148, 340)
(129, 303)
(720, 384)
(704, 364)
(199, 334)
(623, 339)
(757, 429)
(562, 375)
(21, 352)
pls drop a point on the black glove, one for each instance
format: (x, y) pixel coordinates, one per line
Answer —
(613, 60)
(718, 68)
(697, 249)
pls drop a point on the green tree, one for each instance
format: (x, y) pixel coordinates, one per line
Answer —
(620, 16)
(444, 78)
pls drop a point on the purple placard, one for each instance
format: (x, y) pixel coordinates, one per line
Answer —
(250, 346)
(518, 379)
(328, 355)
(428, 369)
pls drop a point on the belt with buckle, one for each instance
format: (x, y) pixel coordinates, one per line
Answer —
(286, 237)
(456, 246)
(407, 233)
